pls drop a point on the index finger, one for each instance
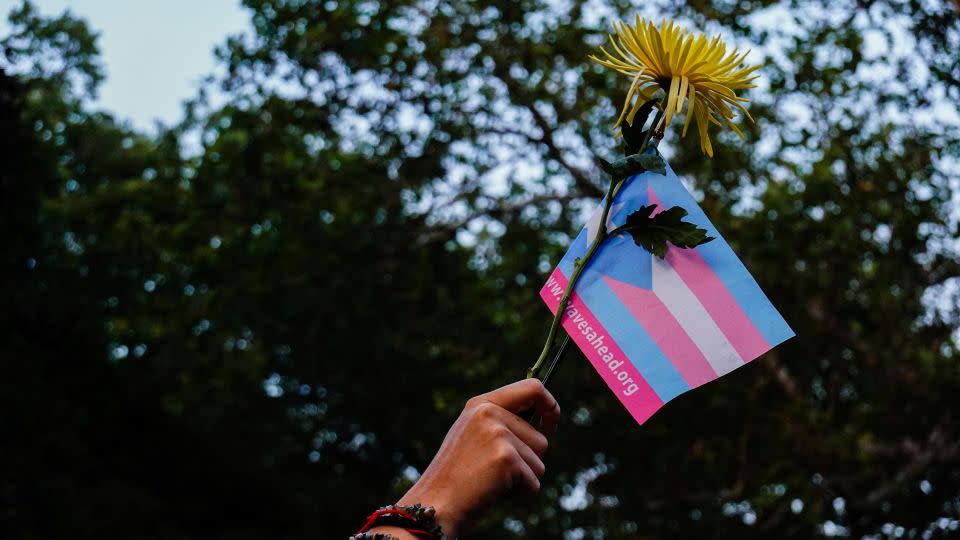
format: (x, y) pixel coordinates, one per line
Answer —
(528, 394)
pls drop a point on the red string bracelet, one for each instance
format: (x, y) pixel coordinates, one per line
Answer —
(417, 520)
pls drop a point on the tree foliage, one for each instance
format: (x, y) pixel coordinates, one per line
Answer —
(260, 321)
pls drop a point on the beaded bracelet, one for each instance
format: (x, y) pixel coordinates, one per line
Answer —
(418, 520)
(372, 536)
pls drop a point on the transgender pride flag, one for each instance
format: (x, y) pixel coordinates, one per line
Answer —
(655, 328)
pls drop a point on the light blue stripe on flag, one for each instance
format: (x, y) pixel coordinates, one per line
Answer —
(618, 257)
(578, 248)
(635, 342)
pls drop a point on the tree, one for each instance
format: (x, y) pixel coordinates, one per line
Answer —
(269, 335)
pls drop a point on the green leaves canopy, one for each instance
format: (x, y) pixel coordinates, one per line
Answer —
(261, 321)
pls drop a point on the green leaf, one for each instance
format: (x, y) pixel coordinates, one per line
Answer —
(605, 166)
(653, 163)
(634, 164)
(653, 232)
(633, 134)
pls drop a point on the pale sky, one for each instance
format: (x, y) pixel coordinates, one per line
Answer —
(154, 52)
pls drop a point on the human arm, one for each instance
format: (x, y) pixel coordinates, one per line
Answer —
(488, 452)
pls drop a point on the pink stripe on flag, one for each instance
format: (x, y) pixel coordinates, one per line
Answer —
(666, 332)
(642, 402)
(715, 297)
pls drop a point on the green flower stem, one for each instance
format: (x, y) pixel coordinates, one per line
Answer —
(616, 184)
(578, 267)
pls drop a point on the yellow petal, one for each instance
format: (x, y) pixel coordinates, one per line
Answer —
(671, 99)
(626, 102)
(705, 145)
(693, 103)
(684, 82)
(684, 54)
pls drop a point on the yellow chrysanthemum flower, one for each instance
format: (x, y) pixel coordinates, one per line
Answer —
(689, 67)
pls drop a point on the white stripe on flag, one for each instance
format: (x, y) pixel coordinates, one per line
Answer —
(694, 318)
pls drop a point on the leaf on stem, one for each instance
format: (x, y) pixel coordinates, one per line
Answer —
(606, 166)
(653, 232)
(633, 133)
(653, 163)
(633, 164)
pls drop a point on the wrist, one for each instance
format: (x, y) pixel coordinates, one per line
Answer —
(397, 533)
(446, 514)
(401, 522)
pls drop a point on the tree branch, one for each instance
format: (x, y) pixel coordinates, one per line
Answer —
(580, 178)
(938, 449)
(443, 230)
(519, 96)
